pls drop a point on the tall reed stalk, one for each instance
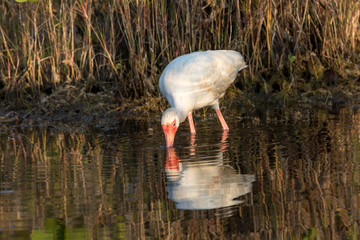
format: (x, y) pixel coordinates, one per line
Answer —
(126, 44)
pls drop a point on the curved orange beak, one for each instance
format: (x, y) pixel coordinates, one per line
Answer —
(169, 131)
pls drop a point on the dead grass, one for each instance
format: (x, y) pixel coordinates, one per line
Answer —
(126, 44)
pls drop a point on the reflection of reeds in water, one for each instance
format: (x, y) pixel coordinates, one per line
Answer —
(306, 185)
(307, 180)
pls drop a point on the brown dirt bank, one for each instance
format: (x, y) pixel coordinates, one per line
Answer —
(74, 107)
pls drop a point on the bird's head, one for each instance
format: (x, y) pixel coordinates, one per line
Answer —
(170, 123)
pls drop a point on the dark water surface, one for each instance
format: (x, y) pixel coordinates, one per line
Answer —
(279, 176)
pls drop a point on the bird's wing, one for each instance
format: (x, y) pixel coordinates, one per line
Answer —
(200, 78)
(212, 71)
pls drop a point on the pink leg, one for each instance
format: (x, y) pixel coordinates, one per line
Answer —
(223, 143)
(193, 145)
(191, 123)
(222, 120)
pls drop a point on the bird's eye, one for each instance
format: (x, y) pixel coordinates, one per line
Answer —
(174, 124)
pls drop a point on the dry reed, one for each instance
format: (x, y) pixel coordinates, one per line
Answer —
(124, 45)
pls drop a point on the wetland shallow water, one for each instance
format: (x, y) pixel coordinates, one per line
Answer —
(276, 176)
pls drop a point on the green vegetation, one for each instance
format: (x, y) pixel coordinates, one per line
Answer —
(123, 46)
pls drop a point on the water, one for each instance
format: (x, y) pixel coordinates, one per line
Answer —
(276, 175)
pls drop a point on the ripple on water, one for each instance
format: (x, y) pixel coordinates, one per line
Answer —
(123, 183)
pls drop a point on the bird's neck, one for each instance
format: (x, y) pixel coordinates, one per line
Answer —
(181, 114)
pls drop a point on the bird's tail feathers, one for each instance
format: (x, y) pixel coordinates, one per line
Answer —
(242, 67)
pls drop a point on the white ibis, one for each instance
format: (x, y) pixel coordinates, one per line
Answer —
(194, 81)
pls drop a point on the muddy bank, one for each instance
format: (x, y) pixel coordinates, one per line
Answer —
(72, 108)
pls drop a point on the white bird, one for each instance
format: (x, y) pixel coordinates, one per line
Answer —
(194, 81)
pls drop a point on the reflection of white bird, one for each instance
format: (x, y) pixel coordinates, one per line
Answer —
(204, 184)
(193, 81)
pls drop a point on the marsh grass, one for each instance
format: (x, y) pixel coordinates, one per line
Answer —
(124, 45)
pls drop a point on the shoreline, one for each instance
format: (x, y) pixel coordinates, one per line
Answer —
(103, 110)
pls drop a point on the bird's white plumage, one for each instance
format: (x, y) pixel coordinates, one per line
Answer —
(170, 115)
(199, 79)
